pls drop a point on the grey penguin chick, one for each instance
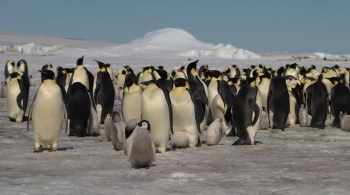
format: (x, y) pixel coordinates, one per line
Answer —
(3, 90)
(129, 129)
(142, 151)
(345, 122)
(117, 131)
(214, 132)
(108, 126)
(264, 121)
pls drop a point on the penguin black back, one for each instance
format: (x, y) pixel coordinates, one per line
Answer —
(278, 101)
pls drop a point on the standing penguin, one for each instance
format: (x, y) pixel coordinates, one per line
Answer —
(214, 132)
(141, 147)
(78, 109)
(16, 98)
(117, 131)
(186, 131)
(317, 104)
(48, 114)
(278, 102)
(156, 109)
(132, 100)
(9, 68)
(22, 69)
(340, 98)
(247, 115)
(222, 107)
(199, 94)
(104, 93)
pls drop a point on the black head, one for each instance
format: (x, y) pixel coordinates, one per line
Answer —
(100, 64)
(14, 75)
(21, 62)
(192, 65)
(161, 67)
(128, 82)
(108, 65)
(10, 62)
(180, 82)
(280, 71)
(80, 61)
(144, 124)
(47, 74)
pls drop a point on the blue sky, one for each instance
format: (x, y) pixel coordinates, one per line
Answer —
(257, 25)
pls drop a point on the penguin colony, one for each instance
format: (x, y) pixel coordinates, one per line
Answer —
(162, 110)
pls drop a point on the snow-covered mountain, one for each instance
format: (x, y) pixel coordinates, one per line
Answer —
(180, 43)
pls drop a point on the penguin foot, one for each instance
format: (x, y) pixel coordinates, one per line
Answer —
(39, 150)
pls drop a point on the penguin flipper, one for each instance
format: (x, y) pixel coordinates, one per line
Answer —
(252, 104)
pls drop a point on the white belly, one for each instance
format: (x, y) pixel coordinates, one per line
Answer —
(155, 110)
(48, 116)
(13, 110)
(131, 106)
(184, 120)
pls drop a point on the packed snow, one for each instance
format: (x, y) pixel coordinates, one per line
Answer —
(296, 161)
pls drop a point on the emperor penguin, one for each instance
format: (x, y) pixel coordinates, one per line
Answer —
(3, 89)
(132, 100)
(22, 69)
(199, 93)
(213, 88)
(247, 111)
(78, 110)
(317, 104)
(48, 114)
(129, 129)
(141, 149)
(214, 132)
(345, 122)
(222, 107)
(156, 109)
(263, 87)
(80, 74)
(46, 67)
(340, 98)
(186, 130)
(9, 68)
(117, 131)
(16, 98)
(104, 93)
(108, 123)
(61, 79)
(278, 102)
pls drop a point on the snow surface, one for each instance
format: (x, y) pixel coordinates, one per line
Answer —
(296, 161)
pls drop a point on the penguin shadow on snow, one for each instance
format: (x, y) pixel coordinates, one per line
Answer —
(60, 149)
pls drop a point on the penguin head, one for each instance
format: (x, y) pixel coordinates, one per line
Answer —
(116, 116)
(80, 61)
(15, 75)
(101, 66)
(22, 66)
(10, 63)
(47, 74)
(128, 82)
(144, 124)
(192, 67)
(180, 82)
